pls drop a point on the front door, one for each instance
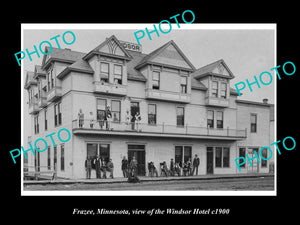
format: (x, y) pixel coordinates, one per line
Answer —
(138, 151)
(209, 160)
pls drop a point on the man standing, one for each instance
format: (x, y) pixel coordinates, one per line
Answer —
(103, 167)
(80, 118)
(196, 163)
(172, 168)
(97, 163)
(91, 117)
(88, 167)
(124, 166)
(133, 166)
(108, 118)
(110, 168)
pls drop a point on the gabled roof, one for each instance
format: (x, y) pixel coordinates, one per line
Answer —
(78, 66)
(210, 69)
(156, 52)
(134, 74)
(112, 42)
(38, 72)
(62, 55)
(29, 80)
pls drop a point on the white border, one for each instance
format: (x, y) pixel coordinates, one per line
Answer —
(245, 26)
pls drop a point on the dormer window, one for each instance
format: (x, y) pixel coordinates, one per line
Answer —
(117, 74)
(223, 90)
(155, 80)
(183, 85)
(104, 70)
(214, 90)
(50, 79)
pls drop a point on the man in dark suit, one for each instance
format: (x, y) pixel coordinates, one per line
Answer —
(196, 163)
(97, 162)
(88, 167)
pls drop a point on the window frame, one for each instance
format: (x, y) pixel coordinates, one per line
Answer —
(242, 154)
(151, 115)
(222, 156)
(104, 79)
(182, 150)
(45, 119)
(177, 116)
(225, 94)
(222, 120)
(114, 111)
(210, 120)
(156, 87)
(62, 157)
(253, 125)
(214, 91)
(183, 86)
(57, 114)
(100, 110)
(264, 163)
(118, 77)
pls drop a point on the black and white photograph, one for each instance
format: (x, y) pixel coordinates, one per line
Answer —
(163, 117)
(126, 111)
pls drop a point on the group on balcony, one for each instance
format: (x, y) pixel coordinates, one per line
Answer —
(105, 118)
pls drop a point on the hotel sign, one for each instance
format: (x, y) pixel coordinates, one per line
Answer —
(131, 46)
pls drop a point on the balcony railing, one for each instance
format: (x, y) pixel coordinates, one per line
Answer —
(54, 94)
(168, 95)
(109, 88)
(213, 101)
(142, 129)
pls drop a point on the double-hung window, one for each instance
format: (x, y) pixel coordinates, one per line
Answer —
(152, 114)
(115, 110)
(183, 84)
(210, 118)
(223, 90)
(214, 91)
(101, 107)
(253, 123)
(155, 80)
(118, 74)
(104, 71)
(219, 119)
(57, 114)
(180, 116)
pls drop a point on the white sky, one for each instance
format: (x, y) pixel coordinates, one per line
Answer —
(247, 51)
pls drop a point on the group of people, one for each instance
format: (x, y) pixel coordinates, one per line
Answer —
(129, 169)
(133, 120)
(100, 165)
(106, 117)
(187, 168)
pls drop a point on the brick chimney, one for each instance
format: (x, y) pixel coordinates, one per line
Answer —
(265, 101)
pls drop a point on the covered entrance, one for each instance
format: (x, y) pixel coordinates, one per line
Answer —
(138, 151)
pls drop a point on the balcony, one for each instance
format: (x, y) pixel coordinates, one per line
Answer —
(168, 95)
(213, 101)
(109, 88)
(54, 94)
(33, 106)
(159, 130)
